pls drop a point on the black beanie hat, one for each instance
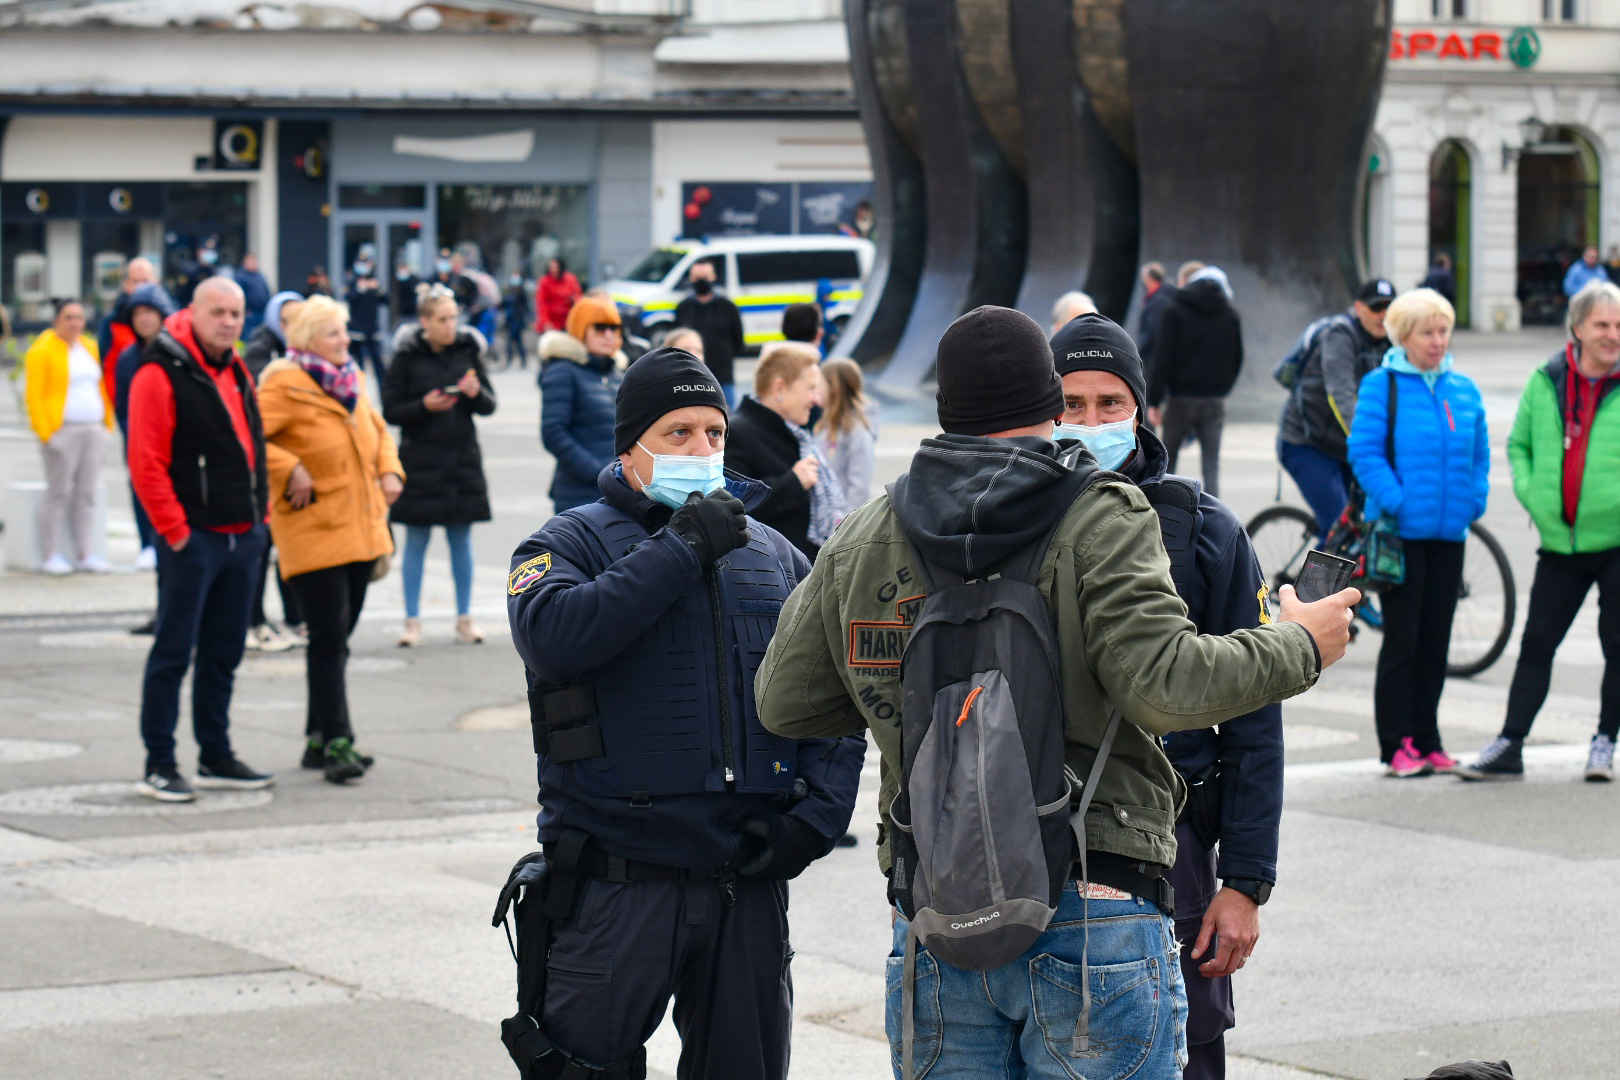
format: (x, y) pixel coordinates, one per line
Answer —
(661, 382)
(995, 373)
(1097, 343)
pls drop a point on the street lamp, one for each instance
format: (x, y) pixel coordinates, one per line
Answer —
(1532, 132)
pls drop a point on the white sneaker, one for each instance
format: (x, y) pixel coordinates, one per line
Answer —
(95, 564)
(270, 639)
(57, 566)
(147, 559)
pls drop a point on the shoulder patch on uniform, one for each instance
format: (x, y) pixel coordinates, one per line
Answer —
(527, 574)
(1264, 596)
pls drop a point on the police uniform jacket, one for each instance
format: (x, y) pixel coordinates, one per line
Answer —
(1224, 591)
(605, 597)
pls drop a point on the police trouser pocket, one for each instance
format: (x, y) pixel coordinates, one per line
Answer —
(1125, 1004)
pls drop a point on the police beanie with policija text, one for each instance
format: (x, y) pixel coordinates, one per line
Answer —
(661, 382)
(995, 373)
(1097, 343)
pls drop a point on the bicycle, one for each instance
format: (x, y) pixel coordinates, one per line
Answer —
(1487, 602)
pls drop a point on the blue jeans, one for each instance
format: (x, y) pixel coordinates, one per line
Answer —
(1324, 480)
(1018, 1020)
(204, 592)
(461, 565)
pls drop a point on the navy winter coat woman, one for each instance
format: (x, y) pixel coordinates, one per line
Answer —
(576, 415)
(438, 449)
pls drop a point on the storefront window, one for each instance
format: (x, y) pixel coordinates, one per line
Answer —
(200, 215)
(24, 276)
(515, 229)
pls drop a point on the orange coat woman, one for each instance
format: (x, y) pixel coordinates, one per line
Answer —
(334, 472)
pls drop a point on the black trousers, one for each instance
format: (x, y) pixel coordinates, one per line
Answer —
(362, 346)
(1209, 1001)
(289, 605)
(1205, 416)
(627, 948)
(331, 600)
(1417, 636)
(1556, 595)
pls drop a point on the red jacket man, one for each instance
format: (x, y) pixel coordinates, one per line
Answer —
(196, 460)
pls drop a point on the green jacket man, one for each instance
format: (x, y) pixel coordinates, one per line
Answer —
(987, 488)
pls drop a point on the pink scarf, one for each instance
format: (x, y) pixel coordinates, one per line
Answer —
(341, 383)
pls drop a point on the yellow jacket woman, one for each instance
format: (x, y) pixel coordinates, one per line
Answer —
(70, 412)
(50, 374)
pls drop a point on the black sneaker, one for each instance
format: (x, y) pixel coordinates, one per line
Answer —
(315, 755)
(232, 775)
(166, 785)
(147, 628)
(342, 763)
(1502, 759)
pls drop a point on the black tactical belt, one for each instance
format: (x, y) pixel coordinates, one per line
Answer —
(595, 863)
(1143, 879)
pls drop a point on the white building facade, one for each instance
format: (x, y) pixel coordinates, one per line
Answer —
(311, 133)
(1497, 144)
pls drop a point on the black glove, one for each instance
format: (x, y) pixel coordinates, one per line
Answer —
(787, 846)
(711, 524)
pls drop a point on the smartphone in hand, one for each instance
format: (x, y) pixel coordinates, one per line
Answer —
(1322, 576)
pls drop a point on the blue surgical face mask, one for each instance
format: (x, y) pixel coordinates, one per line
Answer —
(1110, 444)
(675, 476)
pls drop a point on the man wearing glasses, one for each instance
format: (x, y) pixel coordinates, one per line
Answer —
(1316, 420)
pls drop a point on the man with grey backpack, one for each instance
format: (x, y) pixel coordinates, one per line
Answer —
(1007, 627)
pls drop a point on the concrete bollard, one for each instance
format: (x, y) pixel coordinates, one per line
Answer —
(23, 501)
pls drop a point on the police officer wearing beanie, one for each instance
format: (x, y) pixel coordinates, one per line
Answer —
(1234, 773)
(671, 820)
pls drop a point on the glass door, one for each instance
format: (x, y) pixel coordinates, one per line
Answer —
(388, 247)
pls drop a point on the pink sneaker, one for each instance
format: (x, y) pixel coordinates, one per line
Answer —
(1406, 762)
(1439, 761)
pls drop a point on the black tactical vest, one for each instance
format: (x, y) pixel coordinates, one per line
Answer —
(676, 710)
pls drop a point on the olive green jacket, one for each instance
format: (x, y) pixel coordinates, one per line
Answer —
(1124, 641)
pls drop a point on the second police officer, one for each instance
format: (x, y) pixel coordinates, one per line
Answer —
(671, 820)
(1234, 773)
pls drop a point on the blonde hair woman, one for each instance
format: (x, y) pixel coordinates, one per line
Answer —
(847, 434)
(436, 384)
(769, 439)
(334, 473)
(1428, 490)
(71, 412)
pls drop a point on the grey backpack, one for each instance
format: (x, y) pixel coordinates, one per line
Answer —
(987, 813)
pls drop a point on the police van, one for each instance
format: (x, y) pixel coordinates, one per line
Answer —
(761, 274)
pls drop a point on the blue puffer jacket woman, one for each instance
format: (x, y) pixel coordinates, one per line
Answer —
(1441, 476)
(576, 415)
(1434, 488)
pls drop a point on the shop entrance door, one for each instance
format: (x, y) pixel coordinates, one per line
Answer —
(1558, 218)
(1451, 221)
(389, 242)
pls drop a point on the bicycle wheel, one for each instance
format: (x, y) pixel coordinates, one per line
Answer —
(1282, 536)
(1486, 606)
